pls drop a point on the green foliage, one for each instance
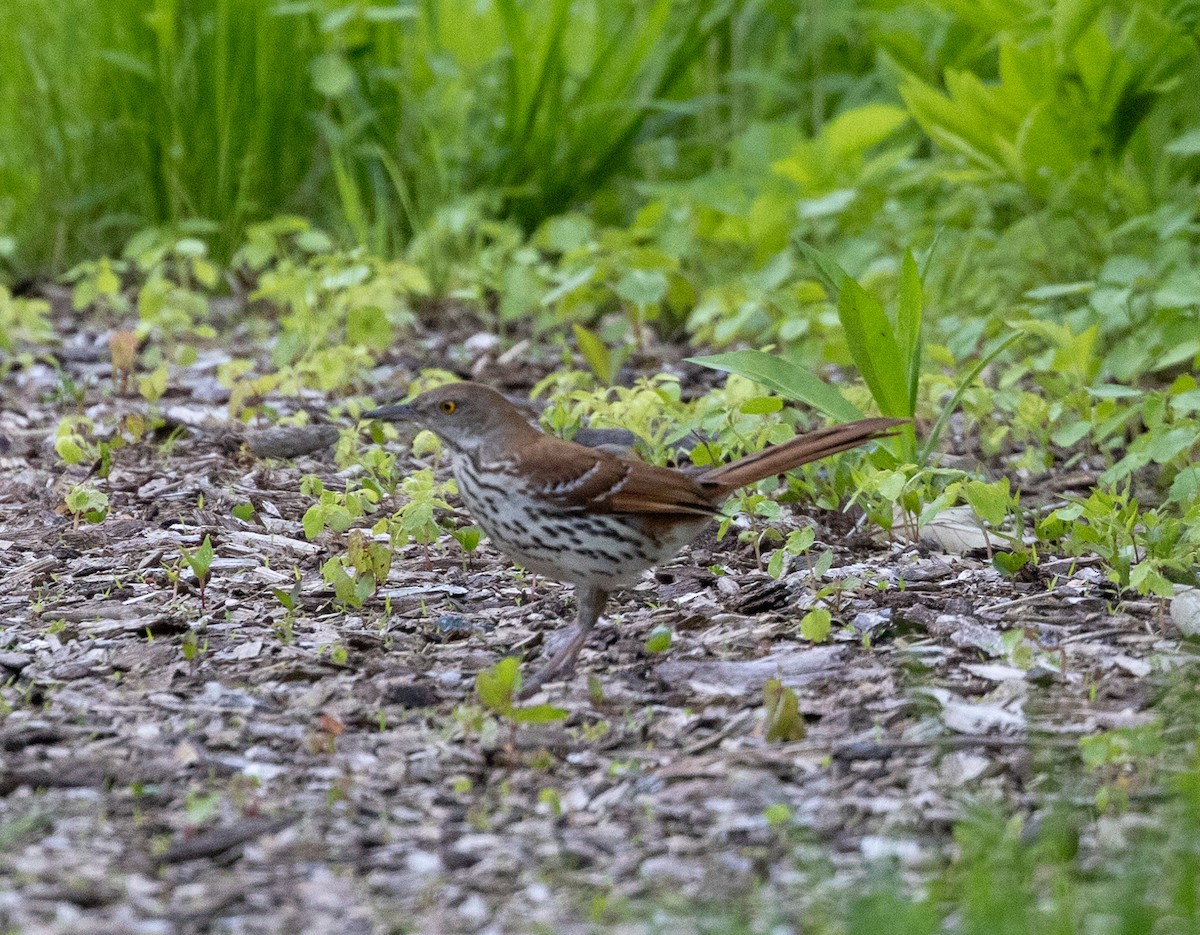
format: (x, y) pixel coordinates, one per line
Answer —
(85, 501)
(816, 625)
(134, 116)
(1071, 101)
(200, 562)
(497, 688)
(336, 298)
(782, 720)
(418, 520)
(659, 640)
(887, 357)
(355, 575)
(333, 510)
(1142, 551)
(22, 321)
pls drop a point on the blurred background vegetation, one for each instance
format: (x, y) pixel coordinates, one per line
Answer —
(393, 122)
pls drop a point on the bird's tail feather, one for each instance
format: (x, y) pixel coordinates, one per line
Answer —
(811, 446)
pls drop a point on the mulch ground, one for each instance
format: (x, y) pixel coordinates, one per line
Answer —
(329, 770)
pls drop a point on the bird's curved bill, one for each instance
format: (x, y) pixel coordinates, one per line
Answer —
(397, 412)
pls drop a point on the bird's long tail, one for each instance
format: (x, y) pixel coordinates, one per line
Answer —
(811, 446)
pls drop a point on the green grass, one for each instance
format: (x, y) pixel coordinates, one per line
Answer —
(127, 115)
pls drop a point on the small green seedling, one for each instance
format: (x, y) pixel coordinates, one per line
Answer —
(781, 713)
(200, 562)
(498, 686)
(88, 503)
(659, 640)
(355, 575)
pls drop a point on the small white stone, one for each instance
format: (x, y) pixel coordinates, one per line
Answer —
(423, 863)
(474, 908)
(1185, 610)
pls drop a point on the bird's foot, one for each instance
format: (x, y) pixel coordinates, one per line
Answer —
(563, 650)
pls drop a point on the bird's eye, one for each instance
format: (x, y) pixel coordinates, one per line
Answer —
(447, 406)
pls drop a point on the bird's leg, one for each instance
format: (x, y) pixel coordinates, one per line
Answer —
(591, 602)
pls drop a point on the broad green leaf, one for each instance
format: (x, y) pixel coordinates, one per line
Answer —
(989, 501)
(1185, 489)
(539, 714)
(331, 75)
(816, 625)
(785, 378)
(761, 405)
(68, 449)
(1186, 145)
(154, 384)
(1010, 563)
(467, 537)
(909, 311)
(596, 353)
(339, 519)
(313, 521)
(497, 685)
(201, 560)
(642, 287)
(368, 325)
(857, 130)
(873, 347)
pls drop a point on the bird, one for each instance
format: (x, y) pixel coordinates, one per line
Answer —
(582, 515)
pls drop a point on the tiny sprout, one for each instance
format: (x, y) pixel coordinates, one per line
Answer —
(200, 562)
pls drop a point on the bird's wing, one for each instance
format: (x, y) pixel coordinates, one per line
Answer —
(573, 475)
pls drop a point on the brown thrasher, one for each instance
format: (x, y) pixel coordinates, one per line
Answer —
(584, 515)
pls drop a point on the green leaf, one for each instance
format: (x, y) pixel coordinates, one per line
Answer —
(467, 537)
(659, 640)
(1186, 145)
(761, 405)
(154, 384)
(816, 625)
(1185, 489)
(313, 521)
(854, 131)
(539, 714)
(1010, 563)
(874, 349)
(339, 519)
(800, 540)
(201, 560)
(497, 685)
(244, 512)
(642, 287)
(331, 75)
(68, 449)
(368, 325)
(989, 501)
(596, 353)
(869, 335)
(784, 378)
(781, 713)
(909, 311)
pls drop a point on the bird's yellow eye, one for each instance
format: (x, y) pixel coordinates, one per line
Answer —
(447, 406)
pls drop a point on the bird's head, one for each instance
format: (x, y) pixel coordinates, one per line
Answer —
(465, 416)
